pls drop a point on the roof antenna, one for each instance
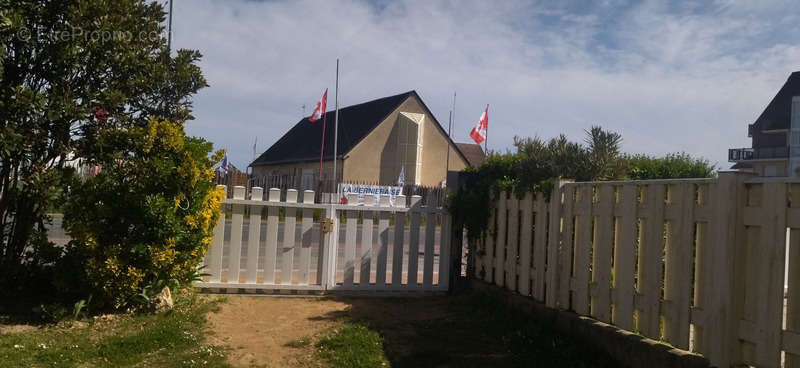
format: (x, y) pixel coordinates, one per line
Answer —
(304, 110)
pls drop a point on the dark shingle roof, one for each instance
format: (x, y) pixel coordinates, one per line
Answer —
(777, 114)
(302, 142)
(473, 153)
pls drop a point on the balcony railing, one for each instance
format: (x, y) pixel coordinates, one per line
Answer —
(764, 153)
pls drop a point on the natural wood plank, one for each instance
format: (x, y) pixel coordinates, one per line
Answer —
(271, 249)
(307, 235)
(624, 259)
(500, 245)
(650, 264)
(772, 253)
(583, 246)
(430, 239)
(237, 221)
(489, 237)
(254, 236)
(512, 241)
(215, 249)
(601, 260)
(793, 295)
(525, 245)
(567, 247)
(678, 267)
(553, 245)
(289, 227)
(539, 248)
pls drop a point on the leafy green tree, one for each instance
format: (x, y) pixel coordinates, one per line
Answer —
(69, 70)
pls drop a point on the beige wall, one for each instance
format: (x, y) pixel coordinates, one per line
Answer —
(780, 167)
(376, 156)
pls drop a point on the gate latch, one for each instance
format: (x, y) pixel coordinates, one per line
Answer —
(327, 225)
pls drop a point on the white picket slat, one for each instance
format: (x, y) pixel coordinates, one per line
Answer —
(444, 252)
(254, 236)
(350, 237)
(430, 239)
(271, 249)
(383, 245)
(217, 242)
(235, 250)
(366, 244)
(398, 247)
(307, 236)
(413, 244)
(289, 228)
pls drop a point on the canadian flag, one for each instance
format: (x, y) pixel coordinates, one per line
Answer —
(478, 133)
(320, 110)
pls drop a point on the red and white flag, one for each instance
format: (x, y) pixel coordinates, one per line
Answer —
(320, 110)
(478, 133)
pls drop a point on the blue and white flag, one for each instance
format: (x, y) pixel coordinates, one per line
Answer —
(223, 166)
(401, 180)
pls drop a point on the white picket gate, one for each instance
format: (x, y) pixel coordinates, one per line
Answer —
(376, 248)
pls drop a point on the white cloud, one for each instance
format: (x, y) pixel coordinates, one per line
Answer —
(669, 78)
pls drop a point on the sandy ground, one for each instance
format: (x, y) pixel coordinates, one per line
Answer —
(258, 329)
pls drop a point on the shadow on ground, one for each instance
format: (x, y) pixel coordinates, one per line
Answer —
(470, 329)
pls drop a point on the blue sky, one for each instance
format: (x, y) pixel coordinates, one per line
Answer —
(669, 76)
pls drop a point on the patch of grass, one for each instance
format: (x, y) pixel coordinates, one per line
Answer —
(299, 343)
(353, 345)
(170, 339)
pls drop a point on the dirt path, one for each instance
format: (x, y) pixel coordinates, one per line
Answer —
(265, 331)
(258, 329)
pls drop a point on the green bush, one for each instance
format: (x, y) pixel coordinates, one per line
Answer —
(147, 217)
(537, 162)
(671, 166)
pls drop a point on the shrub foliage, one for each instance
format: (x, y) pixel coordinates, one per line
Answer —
(536, 163)
(148, 215)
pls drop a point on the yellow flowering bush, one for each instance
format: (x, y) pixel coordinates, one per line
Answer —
(148, 216)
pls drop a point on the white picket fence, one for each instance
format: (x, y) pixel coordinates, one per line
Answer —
(699, 263)
(378, 248)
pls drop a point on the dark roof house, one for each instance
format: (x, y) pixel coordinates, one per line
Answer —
(377, 140)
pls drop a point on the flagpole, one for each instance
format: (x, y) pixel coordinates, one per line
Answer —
(336, 130)
(322, 149)
(486, 139)
(449, 127)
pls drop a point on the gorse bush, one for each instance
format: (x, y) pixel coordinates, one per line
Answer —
(147, 216)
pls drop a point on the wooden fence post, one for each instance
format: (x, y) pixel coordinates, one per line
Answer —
(553, 244)
(725, 296)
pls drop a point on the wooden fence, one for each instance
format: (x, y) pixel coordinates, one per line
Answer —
(376, 248)
(697, 263)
